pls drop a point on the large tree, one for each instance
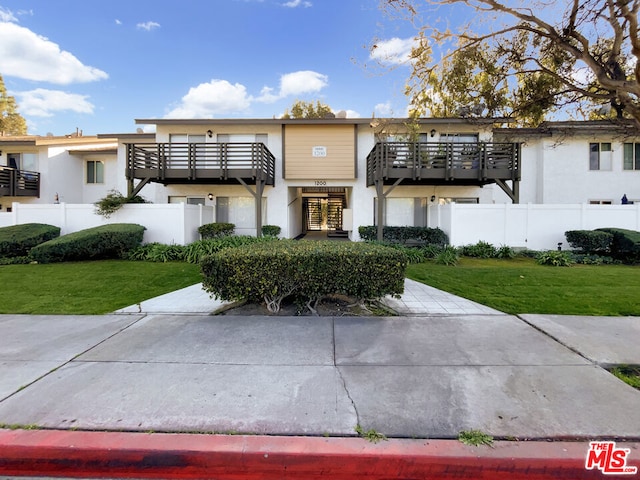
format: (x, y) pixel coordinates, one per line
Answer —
(302, 109)
(11, 122)
(525, 59)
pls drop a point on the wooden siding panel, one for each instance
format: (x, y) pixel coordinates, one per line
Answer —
(339, 163)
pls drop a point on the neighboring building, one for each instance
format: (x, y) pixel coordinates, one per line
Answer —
(71, 169)
(595, 162)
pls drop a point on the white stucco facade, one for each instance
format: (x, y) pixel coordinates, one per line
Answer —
(556, 166)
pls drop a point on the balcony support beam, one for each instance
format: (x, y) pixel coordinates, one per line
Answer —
(512, 192)
(382, 199)
(257, 195)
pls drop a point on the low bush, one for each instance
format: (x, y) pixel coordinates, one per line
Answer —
(157, 252)
(431, 251)
(305, 271)
(589, 259)
(554, 258)
(506, 252)
(215, 230)
(114, 201)
(414, 254)
(625, 245)
(481, 249)
(589, 241)
(106, 241)
(17, 240)
(195, 251)
(22, 260)
(419, 235)
(448, 256)
(271, 230)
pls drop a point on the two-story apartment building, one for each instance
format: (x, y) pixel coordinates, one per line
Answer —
(331, 174)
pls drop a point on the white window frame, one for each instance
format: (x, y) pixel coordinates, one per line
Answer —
(632, 160)
(600, 159)
(95, 180)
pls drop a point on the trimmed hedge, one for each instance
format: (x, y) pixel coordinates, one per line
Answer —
(271, 230)
(215, 230)
(625, 244)
(590, 241)
(106, 241)
(306, 271)
(17, 240)
(422, 235)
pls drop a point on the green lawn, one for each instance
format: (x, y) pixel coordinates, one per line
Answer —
(89, 287)
(522, 286)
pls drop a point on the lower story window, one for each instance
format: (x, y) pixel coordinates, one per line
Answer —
(600, 156)
(631, 156)
(401, 212)
(241, 211)
(600, 202)
(95, 171)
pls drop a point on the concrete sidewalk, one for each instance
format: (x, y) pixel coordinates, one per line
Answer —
(444, 366)
(418, 299)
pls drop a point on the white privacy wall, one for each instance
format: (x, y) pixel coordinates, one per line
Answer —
(532, 226)
(165, 223)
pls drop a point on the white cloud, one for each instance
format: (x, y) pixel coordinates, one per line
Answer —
(45, 103)
(352, 114)
(304, 81)
(7, 15)
(148, 26)
(213, 98)
(24, 54)
(295, 83)
(395, 51)
(219, 97)
(118, 22)
(297, 3)
(383, 109)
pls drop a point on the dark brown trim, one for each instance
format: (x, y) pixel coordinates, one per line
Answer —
(283, 154)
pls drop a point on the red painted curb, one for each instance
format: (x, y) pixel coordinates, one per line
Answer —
(140, 455)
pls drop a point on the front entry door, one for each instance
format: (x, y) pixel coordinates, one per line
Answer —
(324, 213)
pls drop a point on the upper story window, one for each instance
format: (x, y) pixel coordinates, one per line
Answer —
(242, 138)
(23, 161)
(95, 171)
(184, 138)
(600, 156)
(459, 137)
(631, 156)
(422, 138)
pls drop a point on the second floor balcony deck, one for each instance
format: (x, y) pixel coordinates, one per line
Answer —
(200, 163)
(443, 163)
(19, 183)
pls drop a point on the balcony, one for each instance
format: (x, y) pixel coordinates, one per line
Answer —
(200, 163)
(19, 183)
(443, 163)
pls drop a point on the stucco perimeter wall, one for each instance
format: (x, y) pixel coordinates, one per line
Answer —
(165, 223)
(532, 226)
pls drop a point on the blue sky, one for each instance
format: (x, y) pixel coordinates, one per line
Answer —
(98, 65)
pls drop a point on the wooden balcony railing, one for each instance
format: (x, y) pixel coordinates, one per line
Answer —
(425, 163)
(19, 183)
(200, 162)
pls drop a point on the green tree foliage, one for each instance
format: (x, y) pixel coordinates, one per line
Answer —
(11, 122)
(526, 59)
(302, 109)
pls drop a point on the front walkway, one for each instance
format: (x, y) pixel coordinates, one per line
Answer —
(417, 300)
